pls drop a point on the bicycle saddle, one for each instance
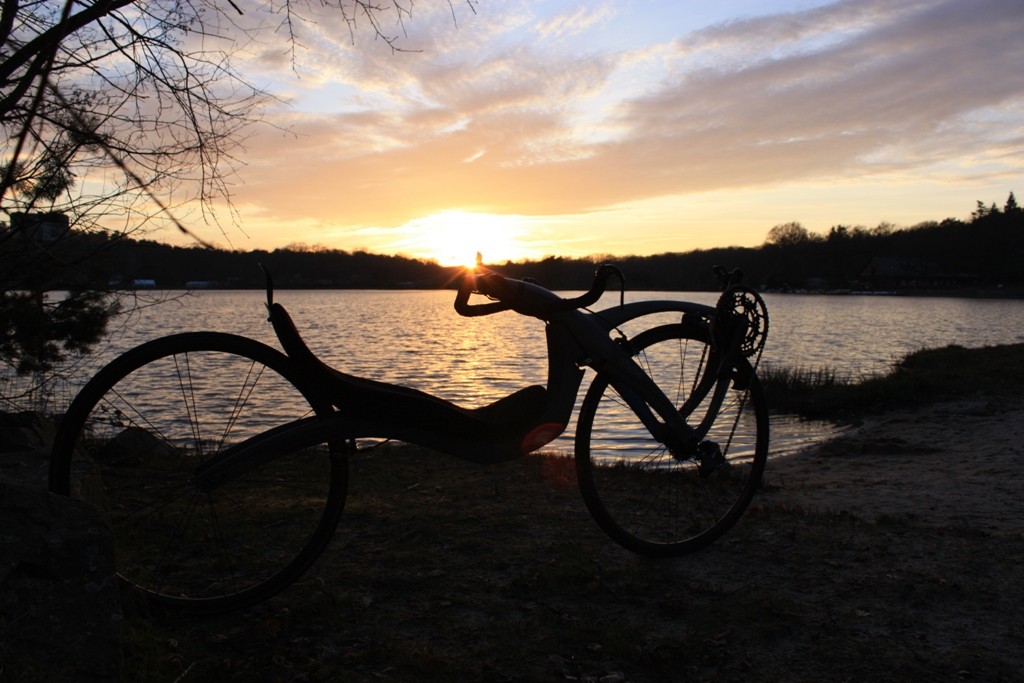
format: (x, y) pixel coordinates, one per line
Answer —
(376, 400)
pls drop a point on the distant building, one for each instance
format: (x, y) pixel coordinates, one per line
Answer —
(907, 272)
(41, 228)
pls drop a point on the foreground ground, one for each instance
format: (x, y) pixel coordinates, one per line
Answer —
(890, 554)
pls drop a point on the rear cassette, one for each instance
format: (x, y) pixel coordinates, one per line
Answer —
(743, 301)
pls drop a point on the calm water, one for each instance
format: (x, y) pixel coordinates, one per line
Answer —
(415, 338)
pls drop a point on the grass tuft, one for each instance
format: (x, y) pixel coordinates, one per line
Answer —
(921, 377)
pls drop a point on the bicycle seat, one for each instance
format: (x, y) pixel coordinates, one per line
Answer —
(365, 397)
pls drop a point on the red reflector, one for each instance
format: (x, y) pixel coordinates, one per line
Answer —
(541, 435)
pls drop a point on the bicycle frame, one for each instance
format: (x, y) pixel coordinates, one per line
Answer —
(575, 340)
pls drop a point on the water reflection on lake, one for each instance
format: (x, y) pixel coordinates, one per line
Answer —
(863, 335)
(415, 338)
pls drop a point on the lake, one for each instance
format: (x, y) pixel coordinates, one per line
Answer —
(415, 338)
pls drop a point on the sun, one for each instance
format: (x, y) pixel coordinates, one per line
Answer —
(454, 238)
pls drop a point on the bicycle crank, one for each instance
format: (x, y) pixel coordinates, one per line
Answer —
(707, 454)
(709, 458)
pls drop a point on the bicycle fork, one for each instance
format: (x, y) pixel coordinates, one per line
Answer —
(662, 419)
(682, 440)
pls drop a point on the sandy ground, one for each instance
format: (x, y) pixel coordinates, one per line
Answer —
(956, 463)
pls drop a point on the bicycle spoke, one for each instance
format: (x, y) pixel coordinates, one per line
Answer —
(142, 422)
(221, 547)
(241, 400)
(167, 549)
(189, 400)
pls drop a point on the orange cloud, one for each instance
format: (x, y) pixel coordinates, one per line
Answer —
(526, 117)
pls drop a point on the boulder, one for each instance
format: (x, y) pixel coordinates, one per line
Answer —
(26, 431)
(134, 445)
(25, 440)
(60, 604)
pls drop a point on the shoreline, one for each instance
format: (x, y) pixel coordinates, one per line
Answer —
(952, 463)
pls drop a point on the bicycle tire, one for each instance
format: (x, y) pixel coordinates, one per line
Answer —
(643, 497)
(130, 444)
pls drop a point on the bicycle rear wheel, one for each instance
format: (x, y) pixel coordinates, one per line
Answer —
(638, 492)
(134, 436)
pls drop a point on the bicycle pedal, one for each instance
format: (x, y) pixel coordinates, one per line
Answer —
(709, 458)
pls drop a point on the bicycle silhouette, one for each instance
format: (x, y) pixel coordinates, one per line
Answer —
(221, 463)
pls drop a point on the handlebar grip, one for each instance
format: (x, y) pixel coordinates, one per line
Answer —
(467, 285)
(596, 291)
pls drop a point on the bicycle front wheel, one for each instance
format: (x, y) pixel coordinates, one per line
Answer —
(134, 436)
(647, 499)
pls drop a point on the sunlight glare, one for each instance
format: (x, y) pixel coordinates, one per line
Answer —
(453, 238)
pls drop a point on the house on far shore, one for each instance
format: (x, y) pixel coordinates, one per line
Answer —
(137, 283)
(907, 272)
(39, 228)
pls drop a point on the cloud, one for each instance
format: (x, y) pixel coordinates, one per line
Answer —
(552, 126)
(575, 22)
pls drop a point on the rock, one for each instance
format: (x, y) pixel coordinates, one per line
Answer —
(60, 606)
(25, 440)
(25, 468)
(60, 603)
(134, 445)
(25, 431)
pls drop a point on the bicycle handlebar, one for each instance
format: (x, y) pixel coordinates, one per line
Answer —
(527, 298)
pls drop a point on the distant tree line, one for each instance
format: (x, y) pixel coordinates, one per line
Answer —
(985, 252)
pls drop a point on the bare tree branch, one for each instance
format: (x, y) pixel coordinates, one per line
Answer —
(119, 116)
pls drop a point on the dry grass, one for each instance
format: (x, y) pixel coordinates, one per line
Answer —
(921, 377)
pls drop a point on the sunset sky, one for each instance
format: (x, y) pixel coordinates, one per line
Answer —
(574, 128)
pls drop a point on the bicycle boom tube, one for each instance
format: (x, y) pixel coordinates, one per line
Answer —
(235, 461)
